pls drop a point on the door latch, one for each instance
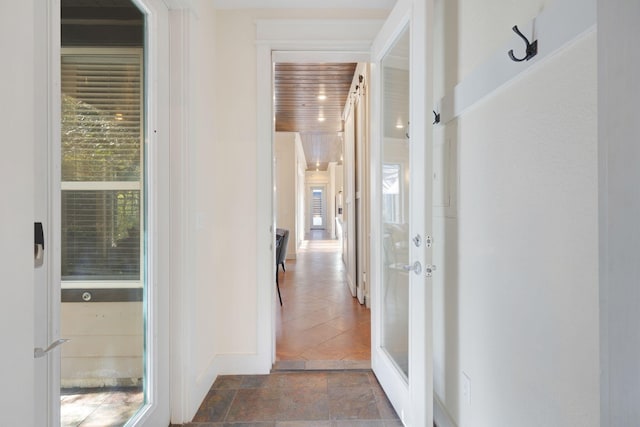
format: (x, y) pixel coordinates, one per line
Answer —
(429, 269)
(417, 240)
(38, 244)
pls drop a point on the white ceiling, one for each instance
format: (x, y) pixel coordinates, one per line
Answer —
(304, 4)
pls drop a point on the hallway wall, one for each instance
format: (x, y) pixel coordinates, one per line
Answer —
(285, 154)
(517, 307)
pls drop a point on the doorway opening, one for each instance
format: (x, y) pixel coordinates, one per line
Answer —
(320, 147)
(317, 210)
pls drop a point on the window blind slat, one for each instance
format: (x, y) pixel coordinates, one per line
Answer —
(102, 162)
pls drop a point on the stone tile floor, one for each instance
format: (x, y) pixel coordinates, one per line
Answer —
(297, 399)
(99, 407)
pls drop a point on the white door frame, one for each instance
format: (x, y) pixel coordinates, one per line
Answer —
(156, 411)
(290, 41)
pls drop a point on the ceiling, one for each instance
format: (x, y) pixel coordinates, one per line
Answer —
(304, 4)
(310, 99)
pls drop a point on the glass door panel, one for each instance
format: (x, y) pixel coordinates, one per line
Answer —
(395, 189)
(103, 227)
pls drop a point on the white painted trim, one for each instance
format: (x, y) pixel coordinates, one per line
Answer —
(183, 209)
(317, 33)
(265, 217)
(157, 410)
(101, 185)
(440, 415)
(97, 284)
(313, 56)
(48, 51)
(286, 35)
(296, 4)
(553, 31)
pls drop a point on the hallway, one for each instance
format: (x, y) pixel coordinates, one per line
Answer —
(320, 325)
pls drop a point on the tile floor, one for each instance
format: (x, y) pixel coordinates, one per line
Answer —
(297, 399)
(98, 407)
(319, 320)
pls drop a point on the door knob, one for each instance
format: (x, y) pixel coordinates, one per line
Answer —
(416, 267)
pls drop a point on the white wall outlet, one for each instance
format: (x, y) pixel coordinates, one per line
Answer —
(466, 388)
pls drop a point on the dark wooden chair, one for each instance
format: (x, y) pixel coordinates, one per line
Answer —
(282, 240)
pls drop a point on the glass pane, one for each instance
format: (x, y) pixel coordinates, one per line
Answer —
(101, 111)
(101, 235)
(103, 200)
(395, 202)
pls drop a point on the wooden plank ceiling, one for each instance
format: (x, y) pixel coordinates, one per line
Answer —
(299, 91)
(309, 99)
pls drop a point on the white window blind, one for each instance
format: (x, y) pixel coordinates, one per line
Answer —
(102, 163)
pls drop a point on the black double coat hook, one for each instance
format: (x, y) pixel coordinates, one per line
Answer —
(532, 48)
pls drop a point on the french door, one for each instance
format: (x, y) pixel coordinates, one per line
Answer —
(101, 198)
(401, 211)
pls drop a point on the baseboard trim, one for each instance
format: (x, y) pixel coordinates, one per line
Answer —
(440, 415)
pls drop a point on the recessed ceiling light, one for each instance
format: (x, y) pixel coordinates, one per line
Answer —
(399, 126)
(119, 116)
(317, 164)
(322, 97)
(321, 119)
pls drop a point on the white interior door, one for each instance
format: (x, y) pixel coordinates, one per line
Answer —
(401, 212)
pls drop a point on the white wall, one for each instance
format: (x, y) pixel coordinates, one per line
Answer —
(335, 186)
(619, 160)
(18, 122)
(331, 200)
(301, 195)
(106, 347)
(285, 153)
(516, 303)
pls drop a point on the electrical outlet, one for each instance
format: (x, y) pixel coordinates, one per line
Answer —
(466, 388)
